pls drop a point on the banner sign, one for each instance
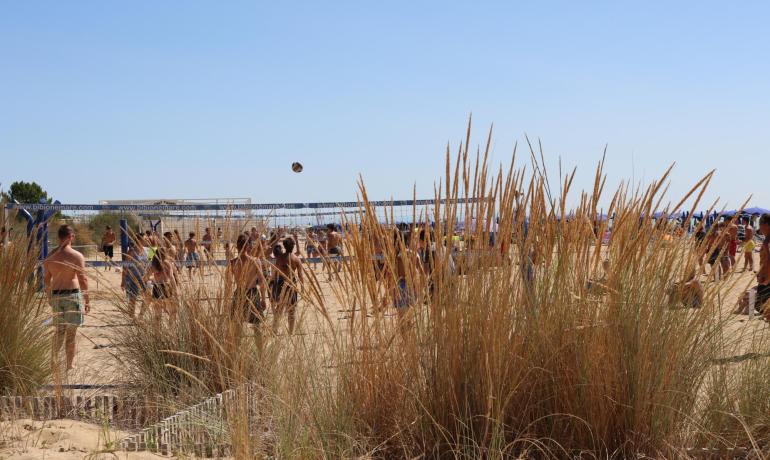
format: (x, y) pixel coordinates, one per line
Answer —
(217, 207)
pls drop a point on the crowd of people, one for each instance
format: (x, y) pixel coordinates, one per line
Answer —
(264, 270)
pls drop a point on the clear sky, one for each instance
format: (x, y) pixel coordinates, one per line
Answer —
(194, 99)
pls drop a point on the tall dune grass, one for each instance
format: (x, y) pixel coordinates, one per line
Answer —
(25, 353)
(543, 340)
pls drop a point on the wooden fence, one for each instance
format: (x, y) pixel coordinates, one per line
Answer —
(201, 429)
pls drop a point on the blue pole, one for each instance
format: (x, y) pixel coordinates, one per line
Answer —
(123, 238)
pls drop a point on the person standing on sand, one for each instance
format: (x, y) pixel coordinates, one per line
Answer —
(250, 284)
(193, 259)
(207, 242)
(732, 241)
(67, 287)
(108, 245)
(763, 276)
(132, 280)
(333, 248)
(164, 284)
(311, 245)
(286, 277)
(171, 252)
(179, 246)
(748, 249)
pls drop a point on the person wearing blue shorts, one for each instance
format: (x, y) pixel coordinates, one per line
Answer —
(193, 258)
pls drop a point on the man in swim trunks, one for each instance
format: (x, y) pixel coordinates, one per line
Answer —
(311, 245)
(250, 284)
(108, 244)
(193, 259)
(333, 248)
(67, 288)
(284, 286)
(206, 243)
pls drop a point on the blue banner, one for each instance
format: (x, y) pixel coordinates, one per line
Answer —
(217, 207)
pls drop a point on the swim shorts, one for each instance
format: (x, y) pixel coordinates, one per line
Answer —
(748, 247)
(733, 248)
(193, 257)
(161, 291)
(249, 305)
(108, 250)
(67, 307)
(336, 251)
(283, 292)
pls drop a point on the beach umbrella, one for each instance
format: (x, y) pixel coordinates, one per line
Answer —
(756, 211)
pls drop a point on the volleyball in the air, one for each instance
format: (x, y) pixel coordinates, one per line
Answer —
(296, 167)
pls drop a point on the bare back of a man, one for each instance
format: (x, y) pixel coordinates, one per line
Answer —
(250, 284)
(67, 287)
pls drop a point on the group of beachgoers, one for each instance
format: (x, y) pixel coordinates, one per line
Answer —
(260, 267)
(723, 244)
(264, 268)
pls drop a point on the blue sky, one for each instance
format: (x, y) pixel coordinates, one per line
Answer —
(103, 100)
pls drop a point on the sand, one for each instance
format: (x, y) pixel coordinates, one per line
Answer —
(27, 439)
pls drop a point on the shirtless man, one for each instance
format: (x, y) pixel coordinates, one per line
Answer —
(164, 287)
(67, 288)
(333, 248)
(311, 246)
(286, 277)
(108, 245)
(206, 243)
(250, 284)
(170, 248)
(193, 259)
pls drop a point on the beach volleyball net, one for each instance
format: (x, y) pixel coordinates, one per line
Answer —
(224, 218)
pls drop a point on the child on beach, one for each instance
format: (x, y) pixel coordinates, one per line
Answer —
(748, 249)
